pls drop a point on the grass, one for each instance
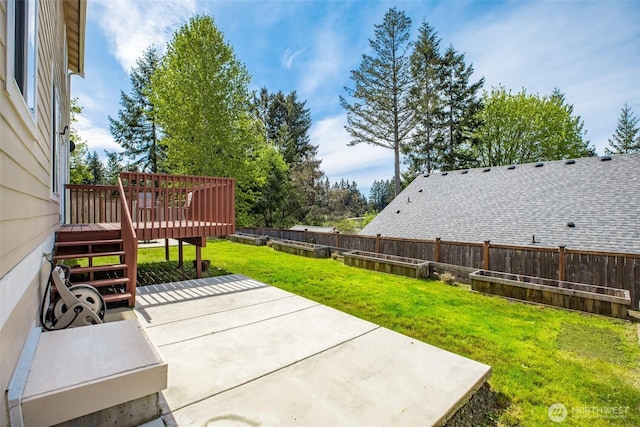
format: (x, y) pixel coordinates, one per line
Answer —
(539, 355)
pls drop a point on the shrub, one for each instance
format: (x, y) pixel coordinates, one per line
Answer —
(448, 278)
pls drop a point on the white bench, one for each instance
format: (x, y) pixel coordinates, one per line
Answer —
(71, 373)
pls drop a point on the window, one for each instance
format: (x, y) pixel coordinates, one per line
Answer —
(22, 64)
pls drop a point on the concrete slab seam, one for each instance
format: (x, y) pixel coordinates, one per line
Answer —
(242, 325)
(217, 312)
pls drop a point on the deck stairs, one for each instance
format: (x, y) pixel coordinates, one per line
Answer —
(97, 258)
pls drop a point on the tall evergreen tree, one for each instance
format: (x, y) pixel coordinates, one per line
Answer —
(288, 127)
(285, 122)
(461, 104)
(380, 195)
(381, 112)
(113, 167)
(426, 70)
(96, 169)
(626, 138)
(136, 128)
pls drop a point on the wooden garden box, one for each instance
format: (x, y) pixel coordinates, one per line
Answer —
(574, 296)
(310, 250)
(248, 239)
(402, 266)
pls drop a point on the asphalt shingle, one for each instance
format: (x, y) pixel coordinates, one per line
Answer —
(509, 205)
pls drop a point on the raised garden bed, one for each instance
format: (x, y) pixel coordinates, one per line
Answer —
(248, 239)
(398, 265)
(574, 296)
(310, 250)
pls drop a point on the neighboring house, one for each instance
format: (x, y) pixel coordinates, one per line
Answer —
(41, 47)
(313, 228)
(588, 203)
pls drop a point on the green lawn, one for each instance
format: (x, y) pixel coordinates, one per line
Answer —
(539, 355)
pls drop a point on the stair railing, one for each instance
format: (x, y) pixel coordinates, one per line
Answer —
(129, 243)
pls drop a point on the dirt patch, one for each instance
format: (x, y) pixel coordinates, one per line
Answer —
(482, 410)
(166, 272)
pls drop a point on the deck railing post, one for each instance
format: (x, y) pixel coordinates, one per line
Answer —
(438, 249)
(378, 243)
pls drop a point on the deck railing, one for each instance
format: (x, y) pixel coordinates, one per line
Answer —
(160, 205)
(90, 204)
(179, 206)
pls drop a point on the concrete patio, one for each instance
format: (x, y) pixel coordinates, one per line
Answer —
(241, 352)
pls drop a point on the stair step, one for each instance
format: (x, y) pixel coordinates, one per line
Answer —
(86, 255)
(89, 242)
(108, 267)
(116, 297)
(104, 282)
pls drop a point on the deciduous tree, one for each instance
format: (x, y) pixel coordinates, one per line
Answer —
(524, 128)
(201, 97)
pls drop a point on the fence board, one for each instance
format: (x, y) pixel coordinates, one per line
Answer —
(616, 270)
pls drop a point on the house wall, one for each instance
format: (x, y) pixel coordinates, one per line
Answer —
(29, 209)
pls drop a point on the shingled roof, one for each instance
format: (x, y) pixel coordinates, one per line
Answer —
(589, 203)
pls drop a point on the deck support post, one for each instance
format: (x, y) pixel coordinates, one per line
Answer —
(198, 262)
(180, 254)
(166, 249)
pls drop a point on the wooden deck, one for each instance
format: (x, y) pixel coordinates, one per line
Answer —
(107, 221)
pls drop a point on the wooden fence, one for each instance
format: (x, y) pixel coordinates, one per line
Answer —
(615, 270)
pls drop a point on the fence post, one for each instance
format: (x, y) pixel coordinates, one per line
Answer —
(438, 249)
(378, 243)
(561, 270)
(304, 236)
(337, 239)
(486, 254)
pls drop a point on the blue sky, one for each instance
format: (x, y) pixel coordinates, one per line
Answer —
(590, 50)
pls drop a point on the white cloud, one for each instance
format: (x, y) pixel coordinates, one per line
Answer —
(132, 26)
(363, 163)
(97, 138)
(587, 50)
(289, 56)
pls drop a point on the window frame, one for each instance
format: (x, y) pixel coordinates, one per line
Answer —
(57, 145)
(26, 106)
